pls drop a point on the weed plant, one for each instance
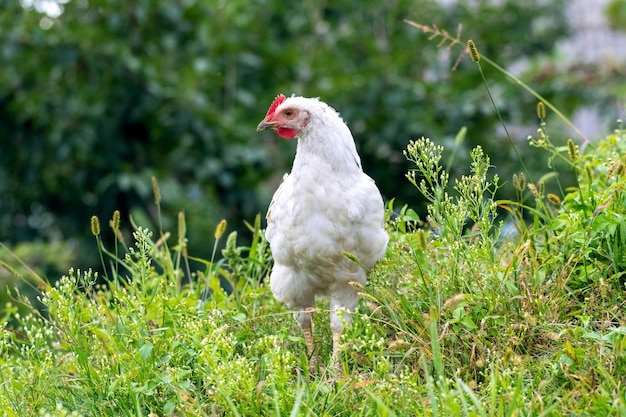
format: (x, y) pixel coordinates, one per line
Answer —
(471, 313)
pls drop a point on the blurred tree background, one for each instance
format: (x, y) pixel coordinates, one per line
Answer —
(98, 96)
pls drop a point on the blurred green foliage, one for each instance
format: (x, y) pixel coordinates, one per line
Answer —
(97, 100)
(616, 14)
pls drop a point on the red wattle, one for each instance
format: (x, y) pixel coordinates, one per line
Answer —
(286, 133)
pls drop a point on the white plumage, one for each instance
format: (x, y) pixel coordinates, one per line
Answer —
(327, 206)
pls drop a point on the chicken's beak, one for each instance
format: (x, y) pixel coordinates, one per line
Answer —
(264, 125)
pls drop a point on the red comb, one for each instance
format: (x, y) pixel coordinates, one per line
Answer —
(277, 102)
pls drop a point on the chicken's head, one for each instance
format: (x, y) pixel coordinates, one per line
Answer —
(285, 117)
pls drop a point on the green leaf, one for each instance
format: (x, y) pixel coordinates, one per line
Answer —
(145, 351)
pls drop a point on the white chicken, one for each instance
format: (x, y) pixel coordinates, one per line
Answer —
(325, 208)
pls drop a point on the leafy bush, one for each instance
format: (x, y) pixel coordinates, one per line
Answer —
(96, 101)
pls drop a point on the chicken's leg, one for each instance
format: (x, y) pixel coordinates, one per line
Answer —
(342, 303)
(335, 363)
(336, 345)
(305, 320)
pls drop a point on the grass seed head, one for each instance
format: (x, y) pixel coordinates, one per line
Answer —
(519, 181)
(554, 199)
(115, 220)
(473, 51)
(156, 190)
(541, 110)
(351, 256)
(422, 240)
(181, 224)
(572, 150)
(589, 174)
(220, 229)
(95, 226)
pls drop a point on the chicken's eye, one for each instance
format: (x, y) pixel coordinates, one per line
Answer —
(289, 113)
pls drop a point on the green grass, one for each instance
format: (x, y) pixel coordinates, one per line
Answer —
(457, 320)
(485, 307)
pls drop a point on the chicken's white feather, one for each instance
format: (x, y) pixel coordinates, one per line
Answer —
(326, 206)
